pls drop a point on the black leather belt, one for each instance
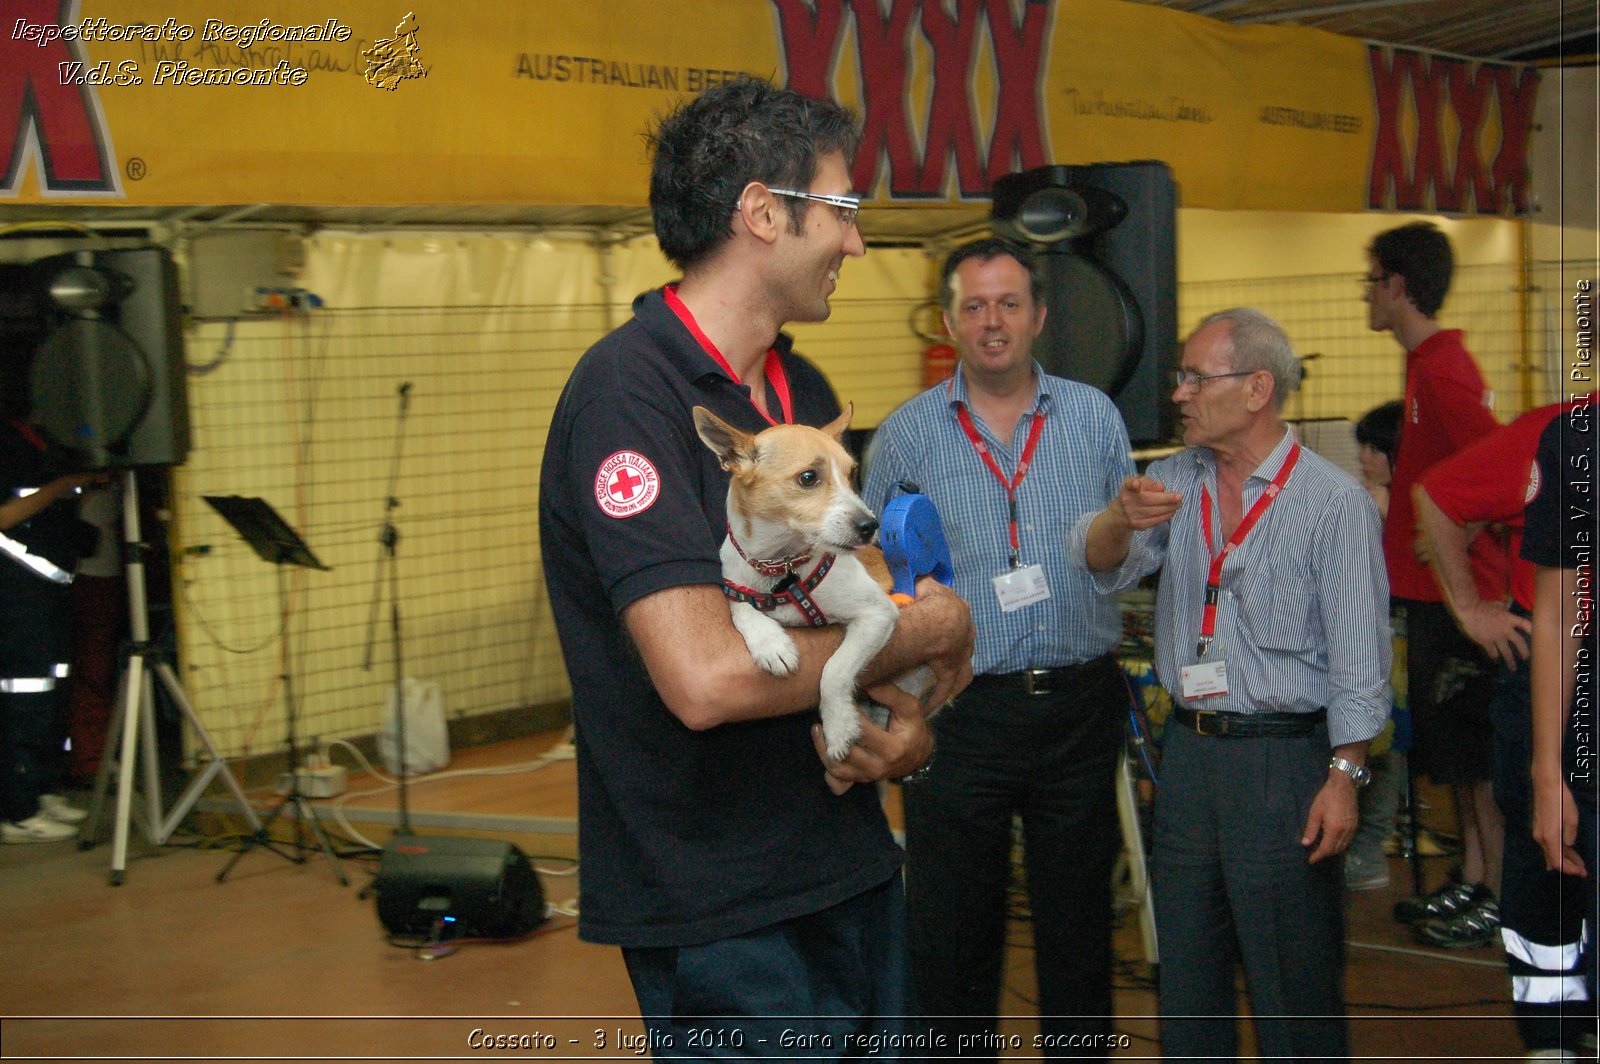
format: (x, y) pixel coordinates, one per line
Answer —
(1043, 681)
(1248, 725)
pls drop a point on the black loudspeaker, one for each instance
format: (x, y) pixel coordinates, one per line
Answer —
(108, 382)
(430, 887)
(1105, 237)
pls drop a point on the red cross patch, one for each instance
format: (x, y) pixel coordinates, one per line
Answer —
(627, 484)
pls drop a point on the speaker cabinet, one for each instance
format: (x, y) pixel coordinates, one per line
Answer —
(108, 382)
(1105, 237)
(457, 888)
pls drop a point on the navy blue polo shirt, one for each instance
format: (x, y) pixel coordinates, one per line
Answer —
(683, 836)
(1559, 533)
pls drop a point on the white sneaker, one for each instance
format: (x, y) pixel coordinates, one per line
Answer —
(57, 808)
(37, 828)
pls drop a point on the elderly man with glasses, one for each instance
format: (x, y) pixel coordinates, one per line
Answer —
(1272, 639)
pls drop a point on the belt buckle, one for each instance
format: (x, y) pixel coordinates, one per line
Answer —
(1036, 681)
(1200, 718)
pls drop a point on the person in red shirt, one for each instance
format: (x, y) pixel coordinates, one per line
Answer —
(1447, 406)
(1490, 483)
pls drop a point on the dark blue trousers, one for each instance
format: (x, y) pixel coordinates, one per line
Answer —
(1541, 911)
(1232, 886)
(828, 986)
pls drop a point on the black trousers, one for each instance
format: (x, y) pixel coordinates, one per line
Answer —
(1232, 885)
(1050, 760)
(1542, 911)
(1449, 684)
(33, 642)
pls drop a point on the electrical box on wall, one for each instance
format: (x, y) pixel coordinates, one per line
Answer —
(232, 273)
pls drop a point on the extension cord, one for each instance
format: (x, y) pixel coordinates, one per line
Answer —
(324, 782)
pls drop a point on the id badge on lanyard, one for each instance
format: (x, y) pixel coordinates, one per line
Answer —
(1021, 585)
(1209, 679)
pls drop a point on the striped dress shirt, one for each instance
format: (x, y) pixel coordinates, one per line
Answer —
(1303, 616)
(1079, 464)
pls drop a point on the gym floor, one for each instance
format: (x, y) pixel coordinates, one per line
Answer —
(281, 960)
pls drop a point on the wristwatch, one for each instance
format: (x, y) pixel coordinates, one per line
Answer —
(1360, 775)
(918, 774)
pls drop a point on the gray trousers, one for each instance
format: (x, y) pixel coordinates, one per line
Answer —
(1232, 886)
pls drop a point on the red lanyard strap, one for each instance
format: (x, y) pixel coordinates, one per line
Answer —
(776, 377)
(1015, 481)
(1208, 619)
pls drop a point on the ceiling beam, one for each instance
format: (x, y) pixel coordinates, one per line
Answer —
(1319, 10)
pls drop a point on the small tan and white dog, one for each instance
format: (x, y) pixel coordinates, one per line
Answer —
(797, 554)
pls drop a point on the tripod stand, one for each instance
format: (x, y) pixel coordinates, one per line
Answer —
(275, 542)
(135, 721)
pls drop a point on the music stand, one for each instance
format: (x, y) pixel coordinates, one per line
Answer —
(259, 525)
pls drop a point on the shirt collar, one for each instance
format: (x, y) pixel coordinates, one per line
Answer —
(1440, 339)
(1273, 462)
(958, 392)
(678, 345)
(1269, 465)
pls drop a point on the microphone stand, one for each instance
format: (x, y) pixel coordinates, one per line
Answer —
(388, 539)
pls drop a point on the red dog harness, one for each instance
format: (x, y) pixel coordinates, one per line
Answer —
(791, 590)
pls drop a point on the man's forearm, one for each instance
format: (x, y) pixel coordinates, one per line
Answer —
(1448, 546)
(1108, 541)
(938, 624)
(16, 510)
(1551, 681)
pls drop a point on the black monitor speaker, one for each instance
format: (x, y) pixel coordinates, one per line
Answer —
(457, 887)
(1105, 237)
(108, 381)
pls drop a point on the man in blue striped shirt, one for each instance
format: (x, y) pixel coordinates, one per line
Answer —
(1272, 637)
(1011, 456)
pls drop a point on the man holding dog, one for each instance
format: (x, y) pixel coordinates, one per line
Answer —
(1271, 640)
(1011, 455)
(743, 878)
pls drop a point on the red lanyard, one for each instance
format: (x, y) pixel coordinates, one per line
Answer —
(994, 467)
(776, 377)
(1208, 620)
(29, 433)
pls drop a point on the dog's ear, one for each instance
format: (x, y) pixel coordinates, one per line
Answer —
(836, 428)
(726, 442)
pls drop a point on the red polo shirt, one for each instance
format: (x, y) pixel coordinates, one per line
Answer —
(1491, 481)
(1447, 407)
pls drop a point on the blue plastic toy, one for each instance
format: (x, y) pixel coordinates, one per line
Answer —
(913, 543)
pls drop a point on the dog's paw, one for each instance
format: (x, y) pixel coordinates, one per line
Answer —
(775, 652)
(840, 731)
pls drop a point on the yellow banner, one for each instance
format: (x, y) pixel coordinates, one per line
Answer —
(431, 102)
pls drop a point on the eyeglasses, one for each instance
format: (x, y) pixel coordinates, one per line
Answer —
(847, 206)
(1184, 378)
(1368, 282)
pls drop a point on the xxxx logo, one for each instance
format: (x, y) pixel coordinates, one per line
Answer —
(813, 35)
(46, 118)
(1469, 149)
